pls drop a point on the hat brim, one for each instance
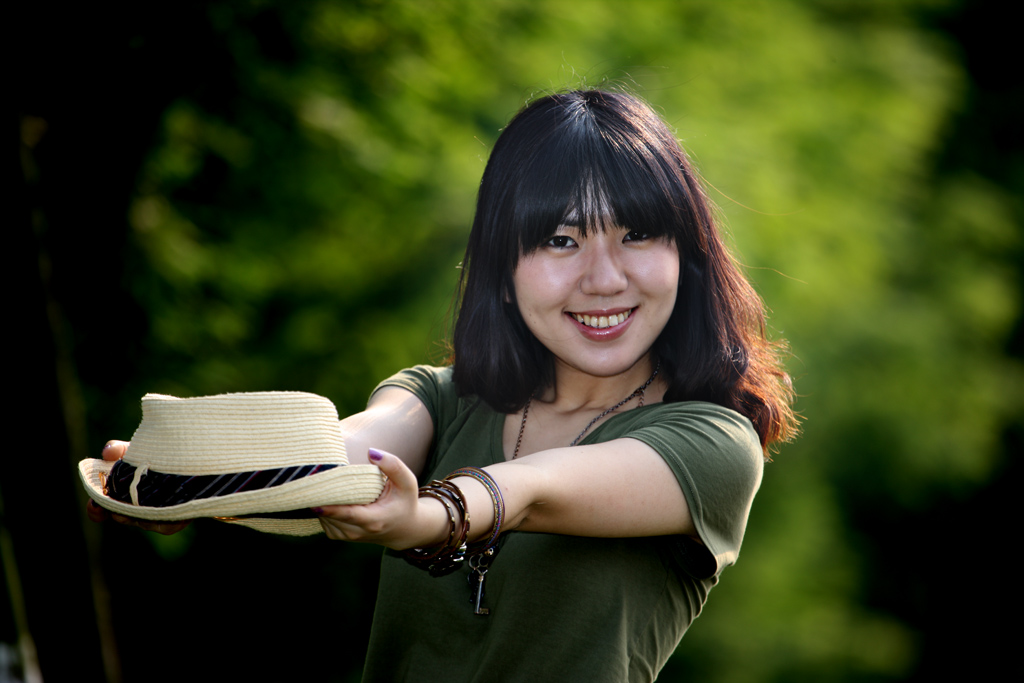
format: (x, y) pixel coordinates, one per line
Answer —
(346, 485)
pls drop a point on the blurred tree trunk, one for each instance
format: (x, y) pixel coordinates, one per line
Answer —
(90, 87)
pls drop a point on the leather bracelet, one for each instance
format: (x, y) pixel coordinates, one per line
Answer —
(423, 554)
(458, 499)
(448, 557)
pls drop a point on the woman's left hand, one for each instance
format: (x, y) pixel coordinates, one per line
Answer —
(398, 519)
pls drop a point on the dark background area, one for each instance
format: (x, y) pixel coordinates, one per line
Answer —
(225, 196)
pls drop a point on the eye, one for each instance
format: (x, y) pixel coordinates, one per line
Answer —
(560, 242)
(636, 236)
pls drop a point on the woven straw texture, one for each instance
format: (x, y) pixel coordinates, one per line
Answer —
(229, 433)
(236, 432)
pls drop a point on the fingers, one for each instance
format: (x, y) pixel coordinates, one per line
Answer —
(165, 528)
(98, 514)
(384, 520)
(115, 450)
(401, 483)
(397, 472)
(112, 450)
(95, 512)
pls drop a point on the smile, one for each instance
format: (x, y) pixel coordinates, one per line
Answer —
(602, 321)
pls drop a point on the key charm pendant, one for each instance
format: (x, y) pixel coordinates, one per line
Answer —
(478, 566)
(478, 592)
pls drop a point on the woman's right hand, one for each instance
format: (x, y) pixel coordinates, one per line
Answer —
(115, 450)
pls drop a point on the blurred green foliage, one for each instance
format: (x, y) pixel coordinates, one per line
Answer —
(298, 220)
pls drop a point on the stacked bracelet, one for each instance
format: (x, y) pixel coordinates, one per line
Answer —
(499, 504)
(452, 526)
(447, 557)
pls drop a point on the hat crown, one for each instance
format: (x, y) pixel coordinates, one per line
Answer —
(236, 432)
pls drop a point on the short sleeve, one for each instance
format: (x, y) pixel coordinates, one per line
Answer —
(717, 459)
(436, 389)
(432, 385)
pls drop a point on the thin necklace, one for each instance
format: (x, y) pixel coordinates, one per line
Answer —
(640, 391)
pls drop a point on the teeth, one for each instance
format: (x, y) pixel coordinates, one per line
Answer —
(600, 322)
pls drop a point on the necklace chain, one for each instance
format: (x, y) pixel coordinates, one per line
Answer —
(639, 391)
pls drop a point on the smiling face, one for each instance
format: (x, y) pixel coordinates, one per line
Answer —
(552, 248)
(598, 301)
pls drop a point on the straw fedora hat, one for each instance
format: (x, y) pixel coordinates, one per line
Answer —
(256, 459)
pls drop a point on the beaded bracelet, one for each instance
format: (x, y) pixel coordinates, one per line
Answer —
(448, 557)
(492, 487)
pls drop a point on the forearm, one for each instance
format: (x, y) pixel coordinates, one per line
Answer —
(395, 421)
(620, 489)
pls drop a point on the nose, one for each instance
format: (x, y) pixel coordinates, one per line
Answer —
(605, 274)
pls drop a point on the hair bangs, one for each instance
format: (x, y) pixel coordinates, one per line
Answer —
(642, 193)
(560, 185)
(591, 177)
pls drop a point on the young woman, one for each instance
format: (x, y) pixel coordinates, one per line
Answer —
(611, 391)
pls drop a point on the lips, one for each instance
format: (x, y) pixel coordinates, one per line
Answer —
(601, 322)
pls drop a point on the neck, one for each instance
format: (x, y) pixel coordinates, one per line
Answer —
(576, 390)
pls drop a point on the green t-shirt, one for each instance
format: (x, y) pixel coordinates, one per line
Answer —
(567, 608)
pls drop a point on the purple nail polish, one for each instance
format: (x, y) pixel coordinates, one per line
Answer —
(375, 455)
(317, 511)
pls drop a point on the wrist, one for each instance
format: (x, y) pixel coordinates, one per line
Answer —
(432, 525)
(447, 557)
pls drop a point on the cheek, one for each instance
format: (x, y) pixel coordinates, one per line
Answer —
(671, 268)
(671, 281)
(542, 283)
(660, 277)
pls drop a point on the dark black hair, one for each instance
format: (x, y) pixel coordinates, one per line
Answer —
(599, 158)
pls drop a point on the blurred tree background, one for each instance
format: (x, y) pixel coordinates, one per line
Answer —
(257, 194)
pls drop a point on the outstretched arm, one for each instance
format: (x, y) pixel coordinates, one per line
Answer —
(394, 421)
(618, 488)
